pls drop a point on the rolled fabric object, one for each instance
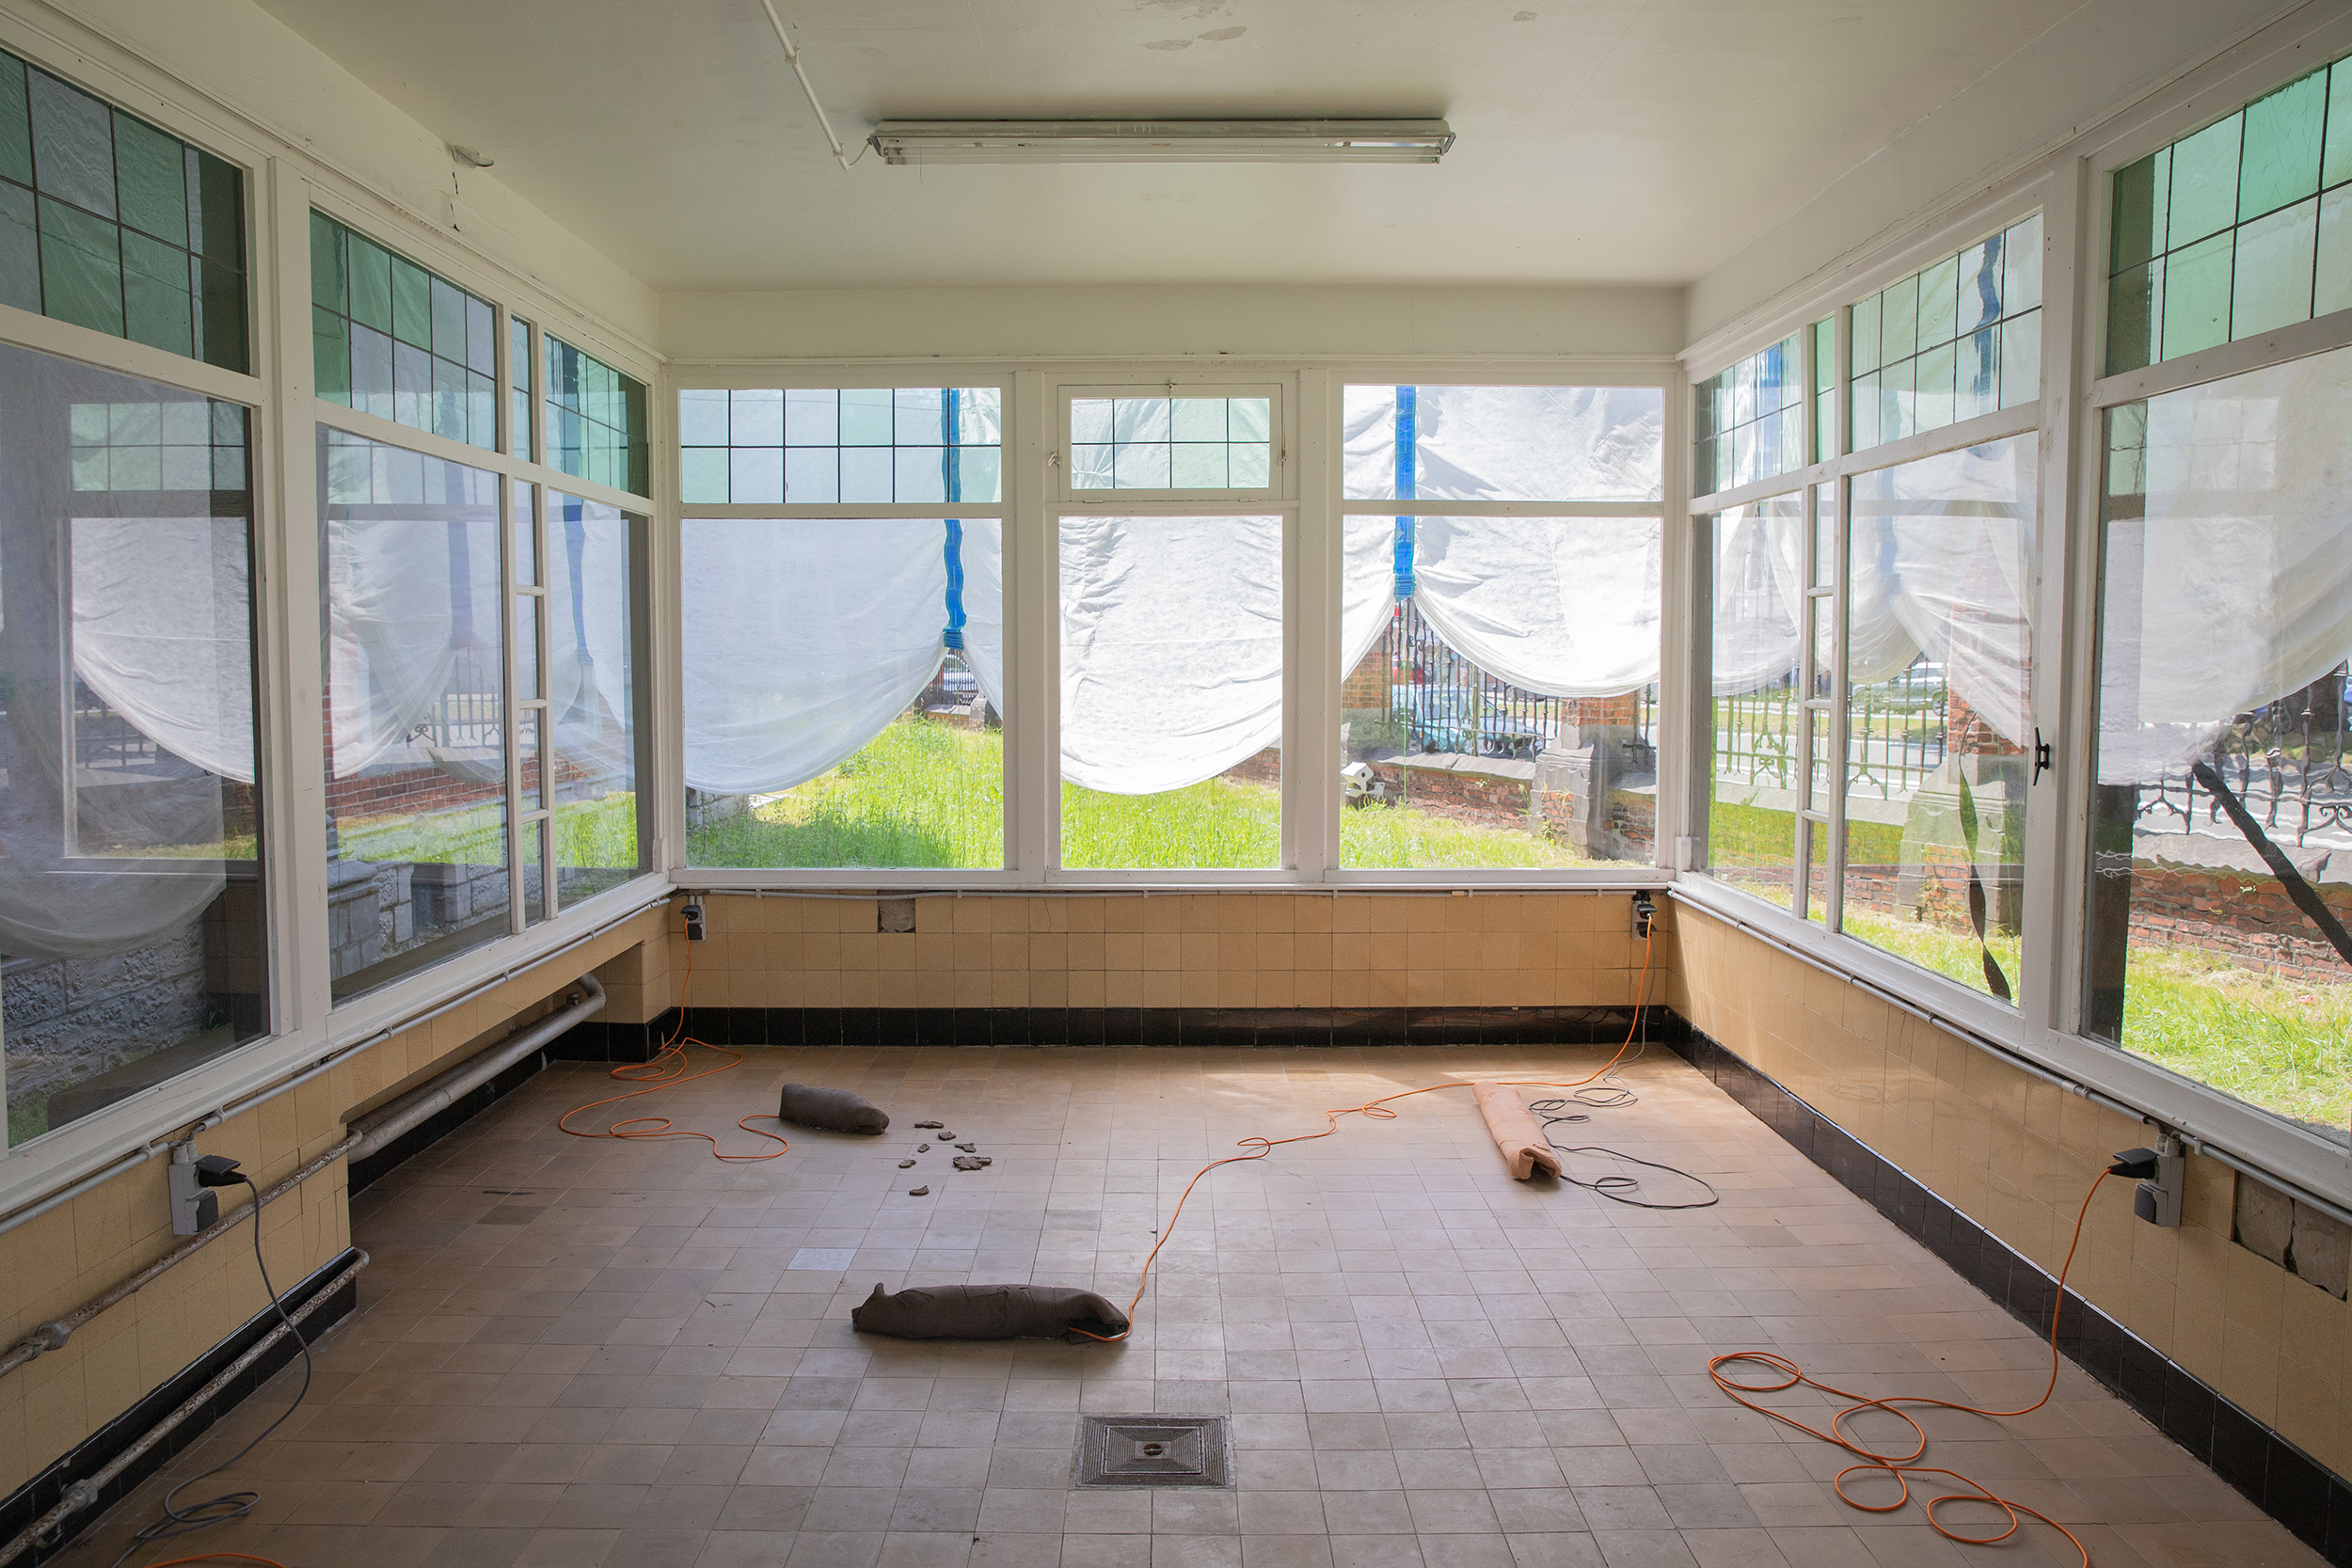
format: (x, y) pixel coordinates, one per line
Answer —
(987, 1312)
(830, 1110)
(1524, 1147)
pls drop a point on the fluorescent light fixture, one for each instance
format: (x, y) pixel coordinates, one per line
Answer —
(1162, 141)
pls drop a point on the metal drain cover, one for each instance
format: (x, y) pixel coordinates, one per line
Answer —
(1153, 1450)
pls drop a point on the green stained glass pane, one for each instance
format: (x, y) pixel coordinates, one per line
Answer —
(20, 249)
(639, 451)
(2021, 266)
(73, 151)
(481, 338)
(449, 399)
(2021, 359)
(156, 308)
(2196, 298)
(330, 356)
(1933, 376)
(448, 321)
(2135, 315)
(16, 131)
(2141, 193)
(215, 209)
(2331, 278)
(81, 268)
(1864, 398)
(412, 303)
(518, 350)
(330, 269)
(2335, 163)
(220, 333)
(702, 476)
(151, 179)
(2280, 163)
(1863, 336)
(1939, 294)
(1899, 322)
(1896, 413)
(370, 284)
(1824, 354)
(2273, 270)
(2205, 182)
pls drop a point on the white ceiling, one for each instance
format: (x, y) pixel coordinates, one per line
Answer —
(1599, 140)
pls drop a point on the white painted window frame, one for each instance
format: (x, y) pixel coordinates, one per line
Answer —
(283, 181)
(2069, 184)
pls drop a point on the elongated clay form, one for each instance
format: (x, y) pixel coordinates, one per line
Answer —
(1522, 1142)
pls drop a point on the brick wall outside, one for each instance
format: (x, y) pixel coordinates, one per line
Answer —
(2246, 920)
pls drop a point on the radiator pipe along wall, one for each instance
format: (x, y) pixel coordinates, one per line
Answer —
(81, 1494)
(380, 1126)
(295, 1079)
(53, 1333)
(370, 1133)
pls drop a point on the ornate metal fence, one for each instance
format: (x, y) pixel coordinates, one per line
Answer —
(2286, 760)
(1896, 734)
(1440, 701)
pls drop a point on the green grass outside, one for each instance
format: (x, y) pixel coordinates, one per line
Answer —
(599, 833)
(2282, 1044)
(1740, 834)
(933, 796)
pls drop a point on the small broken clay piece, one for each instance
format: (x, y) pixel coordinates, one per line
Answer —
(919, 1192)
(967, 1148)
(922, 1148)
(904, 1164)
(946, 1137)
(931, 1124)
(971, 1161)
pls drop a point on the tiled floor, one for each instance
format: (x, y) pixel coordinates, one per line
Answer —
(596, 1352)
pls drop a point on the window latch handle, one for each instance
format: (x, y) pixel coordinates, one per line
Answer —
(2041, 754)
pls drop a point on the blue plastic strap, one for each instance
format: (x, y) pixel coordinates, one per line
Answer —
(953, 635)
(1404, 438)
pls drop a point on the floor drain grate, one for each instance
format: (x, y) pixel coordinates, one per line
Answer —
(1153, 1450)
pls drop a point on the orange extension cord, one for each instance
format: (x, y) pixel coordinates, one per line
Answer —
(1372, 1110)
(667, 1070)
(1904, 1466)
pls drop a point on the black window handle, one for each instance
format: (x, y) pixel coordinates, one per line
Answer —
(2041, 754)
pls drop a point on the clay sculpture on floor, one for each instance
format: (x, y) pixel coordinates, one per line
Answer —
(987, 1312)
(1523, 1144)
(830, 1110)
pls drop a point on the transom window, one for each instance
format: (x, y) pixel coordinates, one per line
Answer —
(1174, 440)
(822, 446)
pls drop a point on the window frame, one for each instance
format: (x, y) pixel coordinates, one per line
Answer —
(2071, 185)
(1234, 501)
(1019, 721)
(1672, 628)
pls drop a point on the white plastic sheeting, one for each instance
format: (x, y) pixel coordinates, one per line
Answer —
(1172, 648)
(163, 634)
(1565, 605)
(1509, 443)
(591, 675)
(804, 639)
(1942, 565)
(1759, 595)
(411, 603)
(2235, 587)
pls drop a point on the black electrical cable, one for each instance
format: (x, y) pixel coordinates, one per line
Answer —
(229, 1505)
(1614, 1186)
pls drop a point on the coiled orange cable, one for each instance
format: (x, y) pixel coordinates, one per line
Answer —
(1904, 1466)
(1374, 1110)
(666, 1070)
